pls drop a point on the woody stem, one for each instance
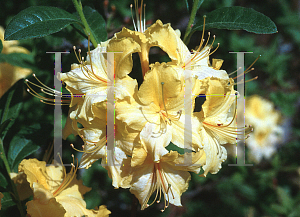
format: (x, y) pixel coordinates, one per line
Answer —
(87, 29)
(191, 21)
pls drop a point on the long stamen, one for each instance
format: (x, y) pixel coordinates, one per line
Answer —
(249, 69)
(144, 28)
(47, 91)
(141, 13)
(67, 177)
(204, 17)
(133, 18)
(235, 71)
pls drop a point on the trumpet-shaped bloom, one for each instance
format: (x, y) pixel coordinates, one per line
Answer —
(10, 74)
(89, 82)
(154, 169)
(218, 125)
(265, 120)
(160, 100)
(55, 192)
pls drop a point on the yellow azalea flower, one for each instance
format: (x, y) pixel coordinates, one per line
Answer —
(261, 114)
(218, 125)
(10, 74)
(165, 37)
(160, 100)
(88, 81)
(1, 196)
(55, 192)
(197, 62)
(154, 169)
(156, 35)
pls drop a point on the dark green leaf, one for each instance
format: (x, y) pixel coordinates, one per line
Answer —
(4, 125)
(7, 201)
(24, 143)
(38, 21)
(172, 147)
(18, 59)
(10, 105)
(96, 23)
(1, 46)
(187, 5)
(237, 18)
(3, 181)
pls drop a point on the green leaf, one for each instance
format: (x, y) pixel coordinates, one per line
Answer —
(237, 18)
(96, 23)
(172, 147)
(10, 105)
(18, 59)
(4, 125)
(7, 201)
(3, 181)
(38, 21)
(24, 143)
(1, 46)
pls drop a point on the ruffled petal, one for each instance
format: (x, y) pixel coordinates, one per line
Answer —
(215, 154)
(124, 47)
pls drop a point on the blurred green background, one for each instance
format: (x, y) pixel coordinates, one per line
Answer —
(270, 188)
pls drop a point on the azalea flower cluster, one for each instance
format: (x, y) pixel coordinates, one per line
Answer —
(149, 118)
(268, 132)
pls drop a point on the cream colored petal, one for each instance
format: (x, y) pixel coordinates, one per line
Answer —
(35, 171)
(54, 176)
(139, 155)
(202, 72)
(125, 88)
(186, 136)
(215, 154)
(219, 98)
(72, 201)
(177, 180)
(133, 114)
(103, 211)
(123, 47)
(93, 83)
(161, 81)
(155, 140)
(120, 170)
(138, 37)
(125, 137)
(165, 37)
(217, 63)
(143, 183)
(98, 60)
(94, 137)
(190, 161)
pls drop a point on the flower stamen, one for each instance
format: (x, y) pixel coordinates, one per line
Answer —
(67, 179)
(49, 91)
